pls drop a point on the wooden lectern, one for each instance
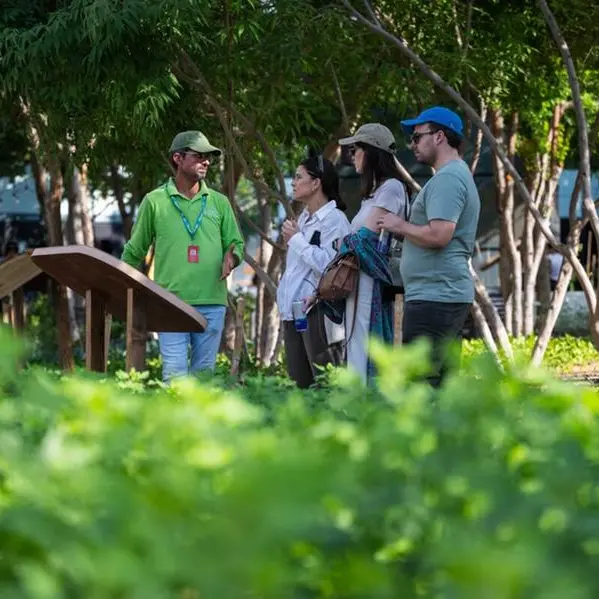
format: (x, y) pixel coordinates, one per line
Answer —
(15, 273)
(112, 287)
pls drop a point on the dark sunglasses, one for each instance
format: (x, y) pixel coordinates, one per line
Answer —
(199, 155)
(415, 137)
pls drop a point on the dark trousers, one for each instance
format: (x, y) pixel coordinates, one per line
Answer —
(440, 323)
(304, 351)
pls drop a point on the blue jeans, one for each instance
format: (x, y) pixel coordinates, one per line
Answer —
(174, 347)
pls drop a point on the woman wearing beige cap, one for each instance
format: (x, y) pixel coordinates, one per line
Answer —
(383, 191)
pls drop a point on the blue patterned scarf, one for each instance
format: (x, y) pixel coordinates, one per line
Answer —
(363, 244)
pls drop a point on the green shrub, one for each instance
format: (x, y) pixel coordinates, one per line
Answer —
(486, 489)
(564, 353)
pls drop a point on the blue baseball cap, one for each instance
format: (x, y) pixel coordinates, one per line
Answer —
(439, 115)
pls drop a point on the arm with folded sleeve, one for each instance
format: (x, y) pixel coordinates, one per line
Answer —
(318, 257)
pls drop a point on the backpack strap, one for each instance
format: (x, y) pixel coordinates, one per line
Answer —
(353, 324)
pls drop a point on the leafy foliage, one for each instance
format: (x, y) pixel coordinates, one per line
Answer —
(194, 492)
(564, 354)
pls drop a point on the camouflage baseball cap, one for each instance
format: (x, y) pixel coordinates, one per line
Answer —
(193, 140)
(373, 134)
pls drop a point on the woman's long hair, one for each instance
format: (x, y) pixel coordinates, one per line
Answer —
(377, 167)
(319, 167)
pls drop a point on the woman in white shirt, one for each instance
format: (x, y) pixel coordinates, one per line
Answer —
(383, 190)
(312, 243)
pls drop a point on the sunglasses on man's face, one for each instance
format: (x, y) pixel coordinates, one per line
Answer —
(199, 155)
(416, 137)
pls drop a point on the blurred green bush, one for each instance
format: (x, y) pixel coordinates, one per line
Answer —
(486, 489)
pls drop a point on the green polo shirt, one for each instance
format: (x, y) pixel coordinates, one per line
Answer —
(159, 222)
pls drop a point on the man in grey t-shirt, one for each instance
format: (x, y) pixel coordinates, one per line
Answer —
(439, 237)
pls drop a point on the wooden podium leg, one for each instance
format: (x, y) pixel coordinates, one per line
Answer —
(18, 310)
(107, 335)
(6, 312)
(95, 314)
(136, 331)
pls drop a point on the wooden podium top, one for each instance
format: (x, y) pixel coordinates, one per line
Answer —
(84, 268)
(16, 272)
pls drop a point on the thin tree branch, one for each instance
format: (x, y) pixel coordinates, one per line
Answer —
(594, 134)
(260, 232)
(221, 115)
(199, 81)
(456, 24)
(478, 144)
(468, 31)
(416, 187)
(486, 304)
(240, 213)
(372, 13)
(340, 97)
(485, 331)
(553, 311)
(489, 262)
(268, 282)
(247, 122)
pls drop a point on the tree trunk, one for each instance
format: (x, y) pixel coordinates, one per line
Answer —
(270, 313)
(50, 201)
(493, 319)
(483, 326)
(559, 295)
(509, 203)
(40, 177)
(59, 292)
(74, 236)
(80, 177)
(543, 189)
(227, 342)
(74, 226)
(527, 253)
(232, 174)
(507, 245)
(544, 287)
(119, 193)
(265, 252)
(505, 277)
(239, 337)
(555, 307)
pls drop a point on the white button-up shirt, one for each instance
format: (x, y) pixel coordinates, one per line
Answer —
(307, 261)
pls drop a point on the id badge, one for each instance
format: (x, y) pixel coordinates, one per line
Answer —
(193, 253)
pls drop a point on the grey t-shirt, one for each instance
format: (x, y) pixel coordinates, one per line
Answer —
(443, 275)
(391, 196)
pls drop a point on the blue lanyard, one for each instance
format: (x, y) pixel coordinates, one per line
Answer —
(190, 230)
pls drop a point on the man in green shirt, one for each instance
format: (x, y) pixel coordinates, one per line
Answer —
(197, 244)
(439, 237)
